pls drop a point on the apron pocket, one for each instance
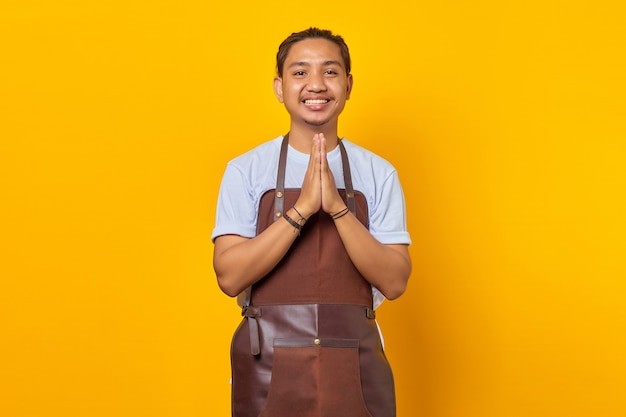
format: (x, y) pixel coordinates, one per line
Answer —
(315, 378)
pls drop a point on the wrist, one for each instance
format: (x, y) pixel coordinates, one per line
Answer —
(301, 219)
(297, 226)
(302, 211)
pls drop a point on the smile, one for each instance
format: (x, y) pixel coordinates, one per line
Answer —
(316, 101)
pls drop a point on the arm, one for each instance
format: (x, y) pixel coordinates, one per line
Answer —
(240, 262)
(386, 267)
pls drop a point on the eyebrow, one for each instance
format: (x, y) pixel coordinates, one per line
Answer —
(308, 64)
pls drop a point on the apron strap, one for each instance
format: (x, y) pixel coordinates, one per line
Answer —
(347, 178)
(279, 196)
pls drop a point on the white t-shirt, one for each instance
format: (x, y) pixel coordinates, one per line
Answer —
(250, 175)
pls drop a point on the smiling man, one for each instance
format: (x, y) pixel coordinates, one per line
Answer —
(311, 247)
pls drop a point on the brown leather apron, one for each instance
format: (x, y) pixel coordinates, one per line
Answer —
(308, 345)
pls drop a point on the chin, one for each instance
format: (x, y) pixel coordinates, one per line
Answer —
(315, 123)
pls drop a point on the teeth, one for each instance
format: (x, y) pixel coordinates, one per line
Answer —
(315, 101)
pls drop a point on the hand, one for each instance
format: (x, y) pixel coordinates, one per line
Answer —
(310, 199)
(331, 200)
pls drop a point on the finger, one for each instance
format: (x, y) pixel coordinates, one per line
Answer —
(313, 165)
(317, 144)
(312, 153)
(310, 195)
(318, 139)
(323, 153)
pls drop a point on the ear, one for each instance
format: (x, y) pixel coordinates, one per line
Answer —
(278, 88)
(350, 82)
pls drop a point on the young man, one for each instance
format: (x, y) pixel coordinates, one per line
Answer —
(311, 234)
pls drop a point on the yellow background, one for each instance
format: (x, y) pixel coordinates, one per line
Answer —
(505, 119)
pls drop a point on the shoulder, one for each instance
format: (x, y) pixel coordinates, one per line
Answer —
(259, 155)
(363, 158)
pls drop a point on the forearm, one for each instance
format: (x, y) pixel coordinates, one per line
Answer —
(240, 262)
(386, 267)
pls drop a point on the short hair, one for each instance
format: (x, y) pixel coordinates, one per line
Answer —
(309, 33)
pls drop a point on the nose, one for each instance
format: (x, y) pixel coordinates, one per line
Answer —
(316, 82)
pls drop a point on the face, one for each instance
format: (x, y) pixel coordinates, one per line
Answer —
(314, 86)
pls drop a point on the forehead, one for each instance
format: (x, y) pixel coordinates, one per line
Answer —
(314, 50)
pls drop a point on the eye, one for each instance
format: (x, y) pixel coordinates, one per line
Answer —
(298, 73)
(330, 72)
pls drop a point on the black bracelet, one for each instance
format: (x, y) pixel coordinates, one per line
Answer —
(302, 218)
(340, 213)
(292, 222)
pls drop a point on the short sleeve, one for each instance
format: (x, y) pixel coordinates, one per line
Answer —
(236, 211)
(388, 216)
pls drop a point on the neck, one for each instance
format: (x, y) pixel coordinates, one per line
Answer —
(301, 138)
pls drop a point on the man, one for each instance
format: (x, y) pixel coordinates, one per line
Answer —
(310, 251)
